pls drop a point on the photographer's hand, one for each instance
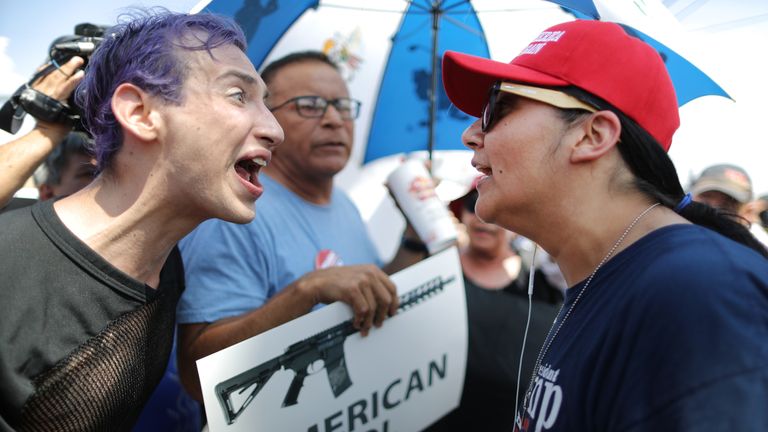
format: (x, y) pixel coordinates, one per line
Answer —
(20, 157)
(60, 83)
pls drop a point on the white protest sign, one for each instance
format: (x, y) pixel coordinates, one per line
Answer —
(401, 377)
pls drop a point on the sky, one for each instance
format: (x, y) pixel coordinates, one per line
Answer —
(28, 27)
(727, 39)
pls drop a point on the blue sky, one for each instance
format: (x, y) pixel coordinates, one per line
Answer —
(27, 27)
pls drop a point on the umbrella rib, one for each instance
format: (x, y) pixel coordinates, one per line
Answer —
(689, 9)
(466, 27)
(522, 9)
(365, 9)
(422, 9)
(401, 35)
(741, 22)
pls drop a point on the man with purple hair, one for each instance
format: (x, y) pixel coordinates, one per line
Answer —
(91, 281)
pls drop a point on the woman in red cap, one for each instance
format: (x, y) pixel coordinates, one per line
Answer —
(665, 323)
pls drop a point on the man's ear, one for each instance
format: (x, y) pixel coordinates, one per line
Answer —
(132, 107)
(601, 132)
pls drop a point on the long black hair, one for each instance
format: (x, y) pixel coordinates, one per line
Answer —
(656, 176)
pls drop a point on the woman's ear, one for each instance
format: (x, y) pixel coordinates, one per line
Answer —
(601, 132)
(132, 108)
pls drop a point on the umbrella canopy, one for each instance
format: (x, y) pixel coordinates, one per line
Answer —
(359, 36)
(405, 111)
(689, 81)
(411, 112)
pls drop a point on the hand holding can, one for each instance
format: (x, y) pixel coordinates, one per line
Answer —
(414, 191)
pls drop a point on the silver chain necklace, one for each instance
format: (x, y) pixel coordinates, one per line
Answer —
(544, 350)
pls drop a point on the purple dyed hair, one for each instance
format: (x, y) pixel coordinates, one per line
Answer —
(144, 51)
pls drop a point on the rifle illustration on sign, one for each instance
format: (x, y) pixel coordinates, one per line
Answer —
(327, 346)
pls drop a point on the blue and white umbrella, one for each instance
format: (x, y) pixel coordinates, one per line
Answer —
(373, 39)
(410, 110)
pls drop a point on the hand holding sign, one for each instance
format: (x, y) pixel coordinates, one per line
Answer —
(404, 376)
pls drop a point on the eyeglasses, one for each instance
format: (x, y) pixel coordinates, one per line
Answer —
(316, 106)
(552, 97)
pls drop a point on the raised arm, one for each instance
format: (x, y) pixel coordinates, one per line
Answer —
(20, 157)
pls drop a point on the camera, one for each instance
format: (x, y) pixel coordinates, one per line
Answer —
(26, 100)
(83, 43)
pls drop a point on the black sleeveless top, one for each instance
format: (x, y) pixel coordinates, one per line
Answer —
(82, 345)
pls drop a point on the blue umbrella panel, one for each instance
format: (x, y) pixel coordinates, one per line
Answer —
(406, 117)
(263, 21)
(402, 115)
(689, 81)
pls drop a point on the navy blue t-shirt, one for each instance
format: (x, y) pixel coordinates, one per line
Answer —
(671, 334)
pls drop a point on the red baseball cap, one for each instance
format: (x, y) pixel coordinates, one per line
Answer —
(595, 56)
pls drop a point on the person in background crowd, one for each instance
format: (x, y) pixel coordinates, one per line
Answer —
(69, 168)
(180, 132)
(729, 189)
(757, 211)
(308, 245)
(664, 322)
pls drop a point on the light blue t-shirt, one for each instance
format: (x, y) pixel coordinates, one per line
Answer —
(231, 269)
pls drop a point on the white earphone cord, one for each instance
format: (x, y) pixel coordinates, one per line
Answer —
(531, 273)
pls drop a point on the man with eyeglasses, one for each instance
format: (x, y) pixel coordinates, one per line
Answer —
(308, 244)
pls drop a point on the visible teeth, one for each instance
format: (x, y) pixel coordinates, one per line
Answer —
(259, 161)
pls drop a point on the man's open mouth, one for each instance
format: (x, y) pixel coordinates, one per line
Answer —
(248, 169)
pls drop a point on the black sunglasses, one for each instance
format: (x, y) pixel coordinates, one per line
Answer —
(555, 98)
(490, 107)
(316, 106)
